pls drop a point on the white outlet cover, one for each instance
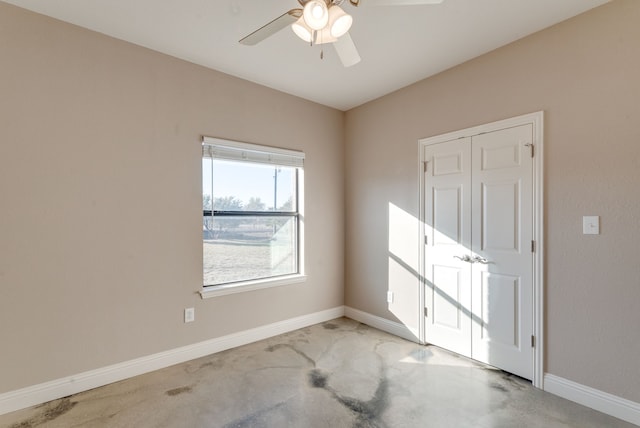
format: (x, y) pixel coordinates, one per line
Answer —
(591, 225)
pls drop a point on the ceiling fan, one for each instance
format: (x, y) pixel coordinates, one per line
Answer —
(324, 21)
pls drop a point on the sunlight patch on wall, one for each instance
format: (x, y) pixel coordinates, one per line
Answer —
(403, 266)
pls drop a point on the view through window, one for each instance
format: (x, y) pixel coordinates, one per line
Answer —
(251, 216)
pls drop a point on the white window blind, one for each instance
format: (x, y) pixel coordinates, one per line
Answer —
(231, 150)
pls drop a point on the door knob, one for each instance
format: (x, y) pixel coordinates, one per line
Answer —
(478, 259)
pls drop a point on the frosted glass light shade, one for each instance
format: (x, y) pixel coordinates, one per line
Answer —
(339, 21)
(302, 30)
(316, 14)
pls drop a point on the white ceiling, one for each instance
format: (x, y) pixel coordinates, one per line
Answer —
(399, 45)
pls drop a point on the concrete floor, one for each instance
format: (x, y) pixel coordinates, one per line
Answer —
(336, 374)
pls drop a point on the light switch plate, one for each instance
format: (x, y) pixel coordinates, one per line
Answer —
(591, 225)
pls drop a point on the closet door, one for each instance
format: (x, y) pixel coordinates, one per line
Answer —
(447, 201)
(502, 232)
(478, 261)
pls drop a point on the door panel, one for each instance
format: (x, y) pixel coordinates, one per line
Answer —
(499, 309)
(502, 170)
(447, 211)
(499, 157)
(499, 211)
(447, 311)
(448, 163)
(447, 197)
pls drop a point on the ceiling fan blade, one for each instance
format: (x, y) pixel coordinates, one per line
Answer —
(272, 27)
(402, 2)
(346, 50)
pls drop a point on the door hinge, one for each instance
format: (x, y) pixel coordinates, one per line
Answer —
(533, 246)
(426, 312)
(533, 341)
(426, 240)
(425, 163)
(531, 146)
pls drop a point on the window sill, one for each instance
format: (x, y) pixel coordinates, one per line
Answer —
(223, 290)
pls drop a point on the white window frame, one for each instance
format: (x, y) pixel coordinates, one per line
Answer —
(244, 152)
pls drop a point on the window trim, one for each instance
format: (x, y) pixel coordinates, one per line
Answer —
(218, 148)
(251, 285)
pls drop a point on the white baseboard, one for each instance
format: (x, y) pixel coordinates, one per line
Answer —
(601, 401)
(383, 324)
(41, 393)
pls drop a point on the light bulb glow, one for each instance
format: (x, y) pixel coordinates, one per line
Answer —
(302, 30)
(317, 11)
(316, 14)
(339, 21)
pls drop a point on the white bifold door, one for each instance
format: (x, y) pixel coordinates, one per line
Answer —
(478, 266)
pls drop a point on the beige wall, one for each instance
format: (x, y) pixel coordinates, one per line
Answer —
(585, 75)
(100, 221)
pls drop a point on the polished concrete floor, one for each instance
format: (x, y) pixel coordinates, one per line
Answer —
(336, 374)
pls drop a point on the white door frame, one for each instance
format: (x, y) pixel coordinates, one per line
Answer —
(536, 119)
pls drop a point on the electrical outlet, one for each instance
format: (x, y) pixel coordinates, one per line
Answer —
(189, 315)
(591, 225)
(389, 296)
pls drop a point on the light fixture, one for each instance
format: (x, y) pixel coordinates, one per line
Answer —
(339, 21)
(302, 30)
(316, 14)
(320, 23)
(324, 36)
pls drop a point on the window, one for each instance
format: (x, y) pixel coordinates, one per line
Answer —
(251, 214)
